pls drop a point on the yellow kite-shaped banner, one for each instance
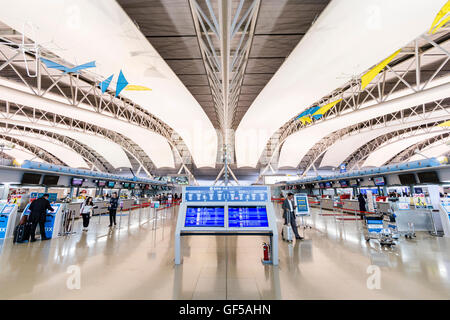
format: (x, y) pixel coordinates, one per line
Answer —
(372, 73)
(441, 14)
(131, 87)
(322, 110)
(445, 124)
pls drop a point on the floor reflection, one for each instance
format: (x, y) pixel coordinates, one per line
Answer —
(135, 261)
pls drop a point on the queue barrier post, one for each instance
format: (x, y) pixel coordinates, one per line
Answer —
(120, 217)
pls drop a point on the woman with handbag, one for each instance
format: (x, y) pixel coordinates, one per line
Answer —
(87, 209)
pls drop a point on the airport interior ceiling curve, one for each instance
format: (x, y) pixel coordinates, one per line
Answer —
(195, 86)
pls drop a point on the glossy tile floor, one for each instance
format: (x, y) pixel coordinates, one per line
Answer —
(136, 262)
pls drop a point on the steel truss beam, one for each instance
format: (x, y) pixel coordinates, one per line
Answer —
(37, 151)
(402, 73)
(225, 36)
(359, 156)
(81, 90)
(406, 154)
(89, 155)
(36, 116)
(411, 115)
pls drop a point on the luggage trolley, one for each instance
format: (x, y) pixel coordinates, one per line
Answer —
(375, 229)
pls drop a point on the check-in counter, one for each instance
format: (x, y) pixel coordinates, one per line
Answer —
(383, 207)
(350, 206)
(102, 207)
(313, 202)
(142, 200)
(327, 204)
(76, 206)
(127, 203)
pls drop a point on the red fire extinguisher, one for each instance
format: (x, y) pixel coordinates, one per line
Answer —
(266, 251)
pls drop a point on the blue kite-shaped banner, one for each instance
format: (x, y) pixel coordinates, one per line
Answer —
(308, 112)
(54, 65)
(105, 83)
(121, 83)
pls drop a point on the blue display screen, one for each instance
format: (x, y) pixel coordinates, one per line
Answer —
(247, 217)
(205, 217)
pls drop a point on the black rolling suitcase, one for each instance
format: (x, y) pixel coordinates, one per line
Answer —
(22, 232)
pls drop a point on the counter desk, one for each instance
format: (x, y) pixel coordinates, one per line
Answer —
(383, 207)
(350, 206)
(327, 204)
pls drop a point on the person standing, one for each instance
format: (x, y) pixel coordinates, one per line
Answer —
(86, 211)
(113, 204)
(362, 205)
(38, 211)
(289, 214)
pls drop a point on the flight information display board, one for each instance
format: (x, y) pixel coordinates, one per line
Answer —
(247, 217)
(226, 194)
(205, 217)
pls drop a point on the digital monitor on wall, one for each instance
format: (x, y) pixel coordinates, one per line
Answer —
(132, 186)
(321, 185)
(407, 179)
(353, 183)
(126, 184)
(328, 185)
(111, 184)
(247, 217)
(77, 182)
(50, 180)
(101, 183)
(428, 177)
(378, 181)
(343, 183)
(31, 178)
(205, 217)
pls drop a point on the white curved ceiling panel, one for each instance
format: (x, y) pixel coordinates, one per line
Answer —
(297, 145)
(343, 148)
(388, 151)
(435, 151)
(153, 144)
(20, 154)
(111, 151)
(348, 38)
(67, 155)
(84, 30)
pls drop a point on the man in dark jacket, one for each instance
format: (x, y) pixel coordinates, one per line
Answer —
(38, 213)
(113, 204)
(289, 214)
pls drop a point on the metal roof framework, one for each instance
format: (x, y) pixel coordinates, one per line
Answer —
(422, 61)
(81, 90)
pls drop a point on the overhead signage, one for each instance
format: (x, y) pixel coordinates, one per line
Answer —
(226, 194)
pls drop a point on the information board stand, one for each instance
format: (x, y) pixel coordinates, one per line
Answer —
(227, 211)
(302, 210)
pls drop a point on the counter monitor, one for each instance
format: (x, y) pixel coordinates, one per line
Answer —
(247, 217)
(50, 180)
(31, 178)
(205, 216)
